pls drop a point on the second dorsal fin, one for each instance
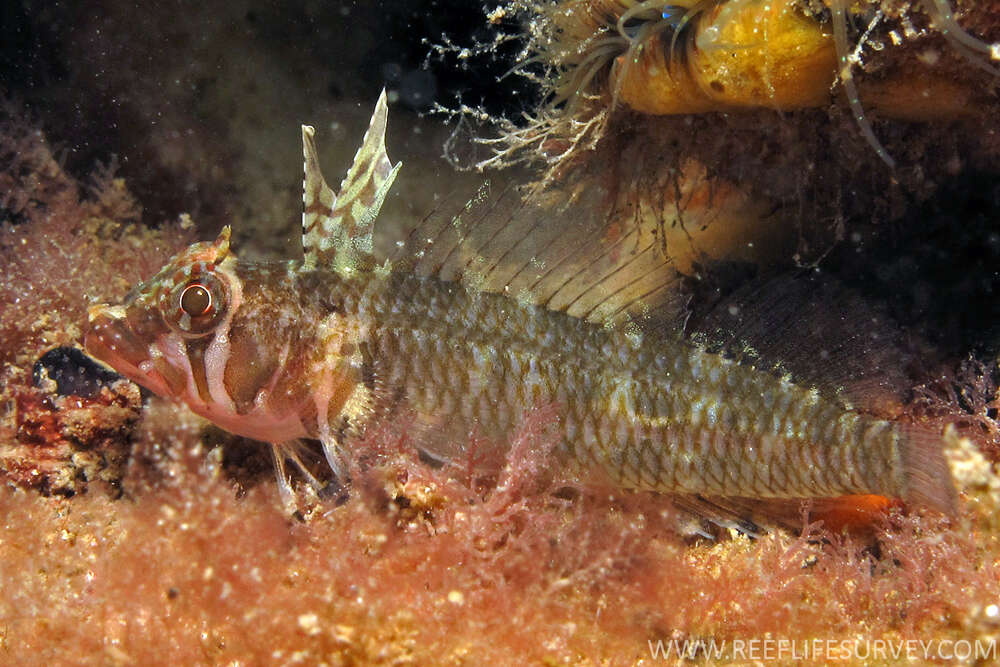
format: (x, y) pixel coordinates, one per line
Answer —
(337, 227)
(556, 250)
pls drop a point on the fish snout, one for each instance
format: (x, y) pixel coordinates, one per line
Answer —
(109, 338)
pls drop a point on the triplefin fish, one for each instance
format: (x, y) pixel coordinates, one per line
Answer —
(327, 346)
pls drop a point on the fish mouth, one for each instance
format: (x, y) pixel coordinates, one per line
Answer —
(110, 339)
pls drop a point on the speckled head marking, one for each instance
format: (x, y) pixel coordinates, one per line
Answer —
(191, 298)
(185, 335)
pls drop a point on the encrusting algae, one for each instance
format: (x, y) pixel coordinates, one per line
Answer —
(330, 347)
(61, 243)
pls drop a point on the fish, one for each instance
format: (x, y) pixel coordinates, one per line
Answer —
(468, 339)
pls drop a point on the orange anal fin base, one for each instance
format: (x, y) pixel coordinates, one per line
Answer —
(852, 513)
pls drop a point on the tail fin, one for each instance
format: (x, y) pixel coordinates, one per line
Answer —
(927, 479)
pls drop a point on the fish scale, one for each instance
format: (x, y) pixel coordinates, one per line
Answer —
(673, 444)
(328, 347)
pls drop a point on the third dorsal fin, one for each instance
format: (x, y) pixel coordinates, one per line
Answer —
(337, 227)
(817, 331)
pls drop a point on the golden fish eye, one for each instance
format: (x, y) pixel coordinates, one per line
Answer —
(196, 300)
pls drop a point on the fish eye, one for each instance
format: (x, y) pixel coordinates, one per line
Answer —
(196, 300)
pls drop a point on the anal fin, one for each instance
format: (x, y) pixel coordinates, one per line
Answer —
(855, 514)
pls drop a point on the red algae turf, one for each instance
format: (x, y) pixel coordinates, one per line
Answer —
(416, 568)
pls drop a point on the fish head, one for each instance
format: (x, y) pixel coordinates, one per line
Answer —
(188, 299)
(224, 337)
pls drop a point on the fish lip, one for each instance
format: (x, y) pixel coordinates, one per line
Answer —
(109, 340)
(95, 312)
(102, 327)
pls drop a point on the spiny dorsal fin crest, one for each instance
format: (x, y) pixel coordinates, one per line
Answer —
(337, 228)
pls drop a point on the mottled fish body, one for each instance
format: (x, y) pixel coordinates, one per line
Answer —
(326, 347)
